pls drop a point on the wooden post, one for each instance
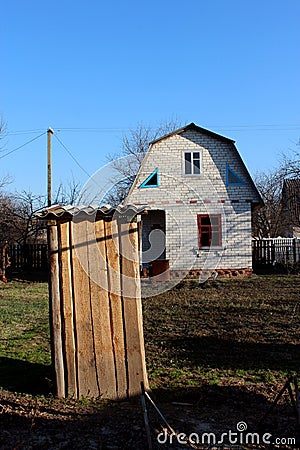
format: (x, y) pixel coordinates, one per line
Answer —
(295, 251)
(67, 309)
(4, 261)
(273, 246)
(49, 165)
(55, 310)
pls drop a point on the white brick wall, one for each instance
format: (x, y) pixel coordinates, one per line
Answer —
(210, 195)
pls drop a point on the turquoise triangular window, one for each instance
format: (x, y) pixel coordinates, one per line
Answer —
(232, 178)
(152, 181)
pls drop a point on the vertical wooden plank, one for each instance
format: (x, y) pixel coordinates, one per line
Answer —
(40, 257)
(20, 257)
(35, 260)
(55, 311)
(100, 304)
(273, 252)
(116, 307)
(37, 256)
(131, 294)
(16, 256)
(67, 309)
(85, 356)
(294, 242)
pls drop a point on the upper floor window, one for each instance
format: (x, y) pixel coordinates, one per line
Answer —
(152, 181)
(232, 178)
(191, 163)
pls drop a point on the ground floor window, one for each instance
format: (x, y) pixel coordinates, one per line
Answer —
(209, 230)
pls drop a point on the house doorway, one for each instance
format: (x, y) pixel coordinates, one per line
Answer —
(153, 238)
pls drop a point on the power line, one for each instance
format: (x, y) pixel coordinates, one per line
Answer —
(23, 145)
(72, 156)
(94, 130)
(19, 132)
(61, 143)
(257, 125)
(258, 128)
(229, 127)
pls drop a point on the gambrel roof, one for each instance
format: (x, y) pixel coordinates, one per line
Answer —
(194, 127)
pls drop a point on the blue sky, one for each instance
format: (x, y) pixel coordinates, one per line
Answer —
(99, 68)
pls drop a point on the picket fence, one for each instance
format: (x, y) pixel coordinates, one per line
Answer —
(275, 252)
(28, 257)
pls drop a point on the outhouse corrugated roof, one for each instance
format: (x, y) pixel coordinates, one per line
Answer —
(59, 211)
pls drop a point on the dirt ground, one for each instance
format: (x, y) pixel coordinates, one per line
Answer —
(217, 356)
(37, 423)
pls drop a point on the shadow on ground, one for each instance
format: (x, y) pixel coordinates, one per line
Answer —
(29, 275)
(231, 354)
(26, 377)
(50, 423)
(43, 421)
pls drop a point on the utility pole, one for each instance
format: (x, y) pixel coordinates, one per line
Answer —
(49, 164)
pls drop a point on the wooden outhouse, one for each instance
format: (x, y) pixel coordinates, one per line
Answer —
(95, 302)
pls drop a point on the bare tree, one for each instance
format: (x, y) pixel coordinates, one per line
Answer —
(18, 222)
(267, 221)
(290, 164)
(272, 220)
(6, 179)
(67, 194)
(3, 127)
(134, 145)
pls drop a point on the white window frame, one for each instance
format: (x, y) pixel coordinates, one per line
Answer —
(184, 152)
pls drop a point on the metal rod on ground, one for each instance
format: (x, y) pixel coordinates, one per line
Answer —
(292, 399)
(297, 399)
(295, 403)
(170, 429)
(146, 420)
(279, 395)
(159, 413)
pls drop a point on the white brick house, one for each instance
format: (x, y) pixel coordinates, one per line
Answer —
(199, 197)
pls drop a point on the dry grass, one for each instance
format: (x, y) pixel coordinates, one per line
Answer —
(222, 351)
(238, 331)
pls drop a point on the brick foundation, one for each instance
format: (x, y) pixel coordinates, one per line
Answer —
(222, 273)
(196, 274)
